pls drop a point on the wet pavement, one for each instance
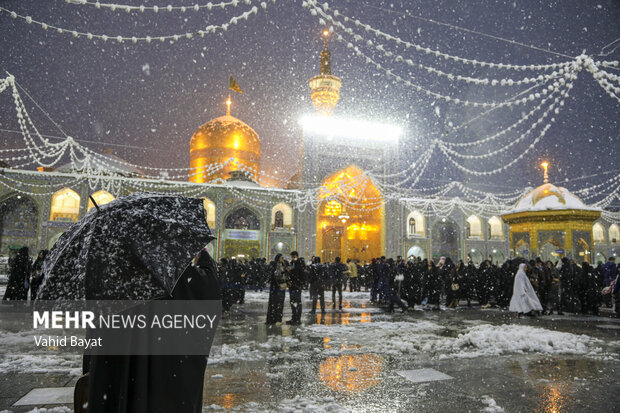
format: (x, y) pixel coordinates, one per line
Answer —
(361, 359)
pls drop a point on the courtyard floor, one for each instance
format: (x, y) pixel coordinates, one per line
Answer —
(360, 359)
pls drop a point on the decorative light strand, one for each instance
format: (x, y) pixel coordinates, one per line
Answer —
(169, 8)
(135, 39)
(450, 76)
(315, 7)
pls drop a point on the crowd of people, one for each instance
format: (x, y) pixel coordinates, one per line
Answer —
(24, 276)
(560, 287)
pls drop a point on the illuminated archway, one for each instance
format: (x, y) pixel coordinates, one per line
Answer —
(474, 227)
(349, 217)
(416, 225)
(101, 198)
(281, 216)
(496, 228)
(209, 208)
(614, 234)
(65, 206)
(598, 232)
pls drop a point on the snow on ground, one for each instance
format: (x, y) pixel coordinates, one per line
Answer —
(492, 406)
(295, 405)
(60, 409)
(410, 338)
(491, 340)
(18, 355)
(41, 363)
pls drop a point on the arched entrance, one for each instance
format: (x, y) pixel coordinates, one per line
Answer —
(349, 217)
(497, 257)
(548, 251)
(242, 235)
(475, 255)
(445, 239)
(416, 252)
(19, 220)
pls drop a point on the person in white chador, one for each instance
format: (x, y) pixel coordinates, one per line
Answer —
(524, 297)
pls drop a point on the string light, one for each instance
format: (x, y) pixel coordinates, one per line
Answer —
(99, 172)
(450, 76)
(135, 39)
(317, 8)
(169, 8)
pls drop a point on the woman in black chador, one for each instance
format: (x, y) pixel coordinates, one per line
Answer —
(589, 292)
(37, 274)
(155, 383)
(19, 277)
(277, 290)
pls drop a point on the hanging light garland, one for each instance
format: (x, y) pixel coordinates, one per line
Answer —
(142, 39)
(169, 8)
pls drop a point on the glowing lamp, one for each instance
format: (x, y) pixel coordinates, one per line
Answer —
(351, 129)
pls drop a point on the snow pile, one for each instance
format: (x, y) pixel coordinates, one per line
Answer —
(238, 352)
(42, 363)
(425, 337)
(492, 406)
(490, 340)
(60, 409)
(550, 197)
(295, 405)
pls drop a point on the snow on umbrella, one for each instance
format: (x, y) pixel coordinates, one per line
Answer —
(133, 248)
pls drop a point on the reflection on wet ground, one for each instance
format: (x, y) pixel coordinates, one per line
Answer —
(333, 358)
(556, 380)
(351, 373)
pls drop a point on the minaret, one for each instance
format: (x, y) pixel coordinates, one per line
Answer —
(325, 88)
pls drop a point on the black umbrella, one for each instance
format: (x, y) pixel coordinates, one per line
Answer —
(133, 248)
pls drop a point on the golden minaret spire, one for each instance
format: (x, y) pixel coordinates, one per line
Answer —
(545, 166)
(325, 88)
(228, 103)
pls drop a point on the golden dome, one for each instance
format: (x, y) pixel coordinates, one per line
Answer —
(219, 140)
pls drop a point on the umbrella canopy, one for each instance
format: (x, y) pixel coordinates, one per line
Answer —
(133, 248)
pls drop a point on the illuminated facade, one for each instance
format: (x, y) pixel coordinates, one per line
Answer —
(349, 221)
(352, 219)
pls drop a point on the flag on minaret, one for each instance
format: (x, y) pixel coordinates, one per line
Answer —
(233, 85)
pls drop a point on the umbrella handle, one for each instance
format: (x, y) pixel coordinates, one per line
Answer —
(94, 203)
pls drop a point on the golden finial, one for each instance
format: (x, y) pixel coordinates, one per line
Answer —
(545, 166)
(228, 103)
(325, 35)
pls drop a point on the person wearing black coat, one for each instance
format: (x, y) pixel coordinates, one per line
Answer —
(570, 277)
(432, 284)
(392, 270)
(155, 383)
(297, 279)
(544, 283)
(486, 274)
(467, 277)
(37, 274)
(505, 283)
(338, 270)
(590, 294)
(317, 284)
(448, 275)
(277, 289)
(225, 279)
(19, 277)
(236, 276)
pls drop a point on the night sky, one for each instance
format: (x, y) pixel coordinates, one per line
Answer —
(144, 101)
